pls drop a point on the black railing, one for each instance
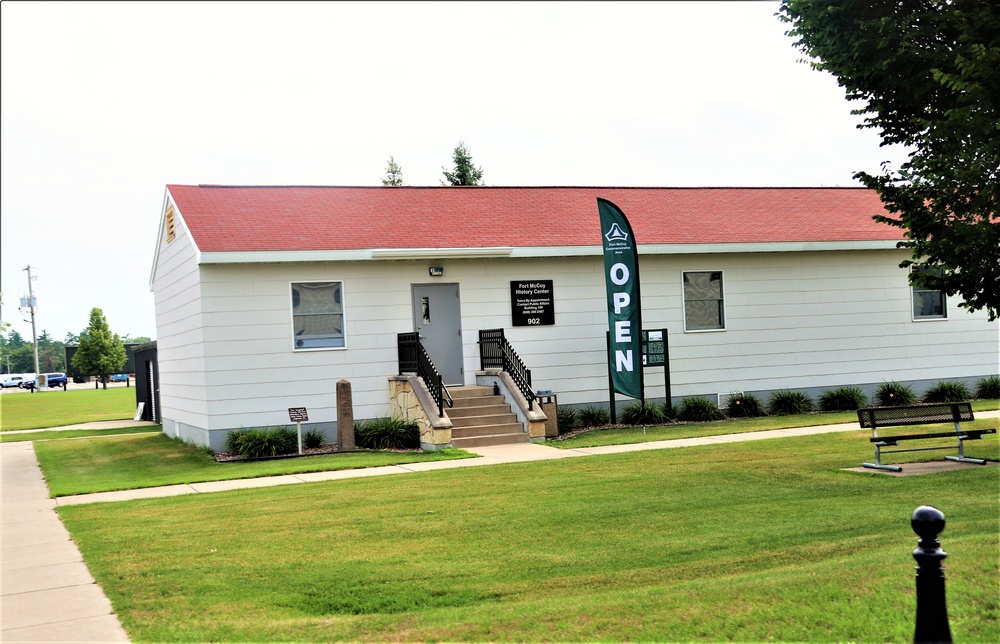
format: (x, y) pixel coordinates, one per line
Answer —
(413, 358)
(496, 353)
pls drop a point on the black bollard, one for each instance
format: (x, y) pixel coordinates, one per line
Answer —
(932, 612)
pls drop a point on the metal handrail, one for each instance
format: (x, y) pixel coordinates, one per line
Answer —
(495, 352)
(413, 358)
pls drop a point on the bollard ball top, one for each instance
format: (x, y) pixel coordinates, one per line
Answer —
(927, 521)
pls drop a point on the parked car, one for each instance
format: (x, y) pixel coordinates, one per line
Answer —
(11, 381)
(28, 383)
(119, 377)
(55, 379)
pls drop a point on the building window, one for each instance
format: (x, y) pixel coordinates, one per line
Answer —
(703, 308)
(928, 304)
(317, 315)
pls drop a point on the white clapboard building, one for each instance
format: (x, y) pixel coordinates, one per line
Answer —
(267, 296)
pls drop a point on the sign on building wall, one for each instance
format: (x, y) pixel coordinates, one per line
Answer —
(532, 303)
(621, 279)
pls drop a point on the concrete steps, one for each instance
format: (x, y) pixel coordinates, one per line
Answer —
(480, 419)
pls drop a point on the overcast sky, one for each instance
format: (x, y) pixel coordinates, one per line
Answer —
(103, 104)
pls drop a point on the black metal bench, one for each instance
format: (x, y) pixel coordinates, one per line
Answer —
(875, 418)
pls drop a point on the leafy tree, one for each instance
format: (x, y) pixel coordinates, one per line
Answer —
(101, 353)
(393, 173)
(465, 172)
(927, 72)
(71, 338)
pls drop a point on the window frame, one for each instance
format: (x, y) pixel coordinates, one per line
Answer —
(914, 290)
(343, 317)
(721, 300)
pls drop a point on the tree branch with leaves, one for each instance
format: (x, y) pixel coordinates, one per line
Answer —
(927, 75)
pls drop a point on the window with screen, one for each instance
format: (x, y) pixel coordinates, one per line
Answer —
(703, 301)
(317, 315)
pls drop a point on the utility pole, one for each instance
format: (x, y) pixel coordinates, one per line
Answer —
(31, 306)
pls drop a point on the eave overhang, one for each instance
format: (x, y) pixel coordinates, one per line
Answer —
(397, 254)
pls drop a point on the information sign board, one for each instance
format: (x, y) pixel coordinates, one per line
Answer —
(532, 303)
(298, 414)
(654, 352)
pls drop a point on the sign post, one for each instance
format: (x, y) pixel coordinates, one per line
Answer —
(656, 353)
(621, 279)
(297, 415)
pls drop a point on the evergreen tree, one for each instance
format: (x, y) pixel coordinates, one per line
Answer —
(101, 353)
(393, 173)
(465, 172)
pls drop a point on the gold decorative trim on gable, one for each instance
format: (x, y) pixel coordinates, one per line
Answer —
(170, 229)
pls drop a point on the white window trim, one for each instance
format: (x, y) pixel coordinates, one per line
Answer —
(725, 317)
(927, 318)
(291, 313)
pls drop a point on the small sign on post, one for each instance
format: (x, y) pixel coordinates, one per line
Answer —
(297, 415)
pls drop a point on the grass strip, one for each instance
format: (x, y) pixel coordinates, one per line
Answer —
(138, 461)
(626, 435)
(55, 407)
(77, 433)
(764, 540)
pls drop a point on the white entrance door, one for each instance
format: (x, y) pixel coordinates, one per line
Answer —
(437, 317)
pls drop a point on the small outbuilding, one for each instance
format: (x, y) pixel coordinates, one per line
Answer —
(266, 296)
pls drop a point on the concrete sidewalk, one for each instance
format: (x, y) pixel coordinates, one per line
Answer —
(50, 596)
(48, 592)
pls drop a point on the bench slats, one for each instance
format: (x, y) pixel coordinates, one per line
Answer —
(875, 418)
(970, 434)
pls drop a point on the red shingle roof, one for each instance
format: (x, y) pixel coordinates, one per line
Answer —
(290, 218)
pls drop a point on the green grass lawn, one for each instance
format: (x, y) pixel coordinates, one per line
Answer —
(43, 435)
(147, 460)
(755, 541)
(55, 407)
(627, 435)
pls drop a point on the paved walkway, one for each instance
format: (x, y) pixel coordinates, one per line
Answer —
(50, 596)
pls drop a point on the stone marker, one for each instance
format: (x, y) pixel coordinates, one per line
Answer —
(345, 417)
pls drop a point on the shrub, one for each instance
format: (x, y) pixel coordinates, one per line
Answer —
(643, 414)
(261, 442)
(743, 405)
(387, 433)
(843, 399)
(594, 417)
(569, 419)
(893, 394)
(947, 392)
(668, 411)
(988, 388)
(699, 409)
(786, 402)
(313, 438)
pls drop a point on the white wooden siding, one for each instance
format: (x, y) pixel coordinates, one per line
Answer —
(804, 319)
(180, 332)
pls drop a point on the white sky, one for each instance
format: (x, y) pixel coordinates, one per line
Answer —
(103, 104)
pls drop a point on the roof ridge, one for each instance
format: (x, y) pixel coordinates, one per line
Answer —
(330, 187)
